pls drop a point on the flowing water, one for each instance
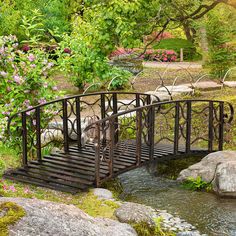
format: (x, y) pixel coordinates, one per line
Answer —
(210, 214)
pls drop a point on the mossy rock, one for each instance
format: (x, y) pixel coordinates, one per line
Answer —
(10, 213)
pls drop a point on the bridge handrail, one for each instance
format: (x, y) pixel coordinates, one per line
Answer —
(156, 104)
(77, 96)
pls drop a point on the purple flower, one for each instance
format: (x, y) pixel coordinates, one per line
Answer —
(50, 65)
(54, 88)
(3, 74)
(12, 188)
(42, 100)
(33, 66)
(17, 79)
(31, 57)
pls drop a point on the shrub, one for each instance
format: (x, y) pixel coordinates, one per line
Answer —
(85, 64)
(24, 77)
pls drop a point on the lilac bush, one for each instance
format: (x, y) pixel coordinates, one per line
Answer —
(24, 78)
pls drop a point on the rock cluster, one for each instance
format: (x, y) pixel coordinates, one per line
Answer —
(219, 169)
(133, 212)
(47, 218)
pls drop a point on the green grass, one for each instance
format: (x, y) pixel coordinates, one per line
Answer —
(176, 44)
(86, 201)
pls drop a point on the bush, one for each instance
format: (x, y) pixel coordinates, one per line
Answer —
(24, 79)
(176, 44)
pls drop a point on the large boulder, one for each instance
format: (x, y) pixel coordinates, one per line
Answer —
(48, 218)
(218, 168)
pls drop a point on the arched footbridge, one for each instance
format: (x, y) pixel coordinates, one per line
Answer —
(80, 141)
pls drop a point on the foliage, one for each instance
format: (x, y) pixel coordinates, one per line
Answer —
(84, 62)
(197, 184)
(221, 56)
(12, 213)
(24, 79)
(54, 16)
(176, 44)
(32, 27)
(127, 129)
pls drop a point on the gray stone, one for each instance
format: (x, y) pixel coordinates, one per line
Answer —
(231, 84)
(206, 85)
(176, 89)
(225, 179)
(188, 233)
(162, 96)
(134, 212)
(47, 218)
(103, 193)
(218, 168)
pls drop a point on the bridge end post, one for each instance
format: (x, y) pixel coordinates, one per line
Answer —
(97, 156)
(176, 134)
(24, 139)
(188, 127)
(221, 126)
(151, 122)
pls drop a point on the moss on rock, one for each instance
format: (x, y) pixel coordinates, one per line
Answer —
(10, 213)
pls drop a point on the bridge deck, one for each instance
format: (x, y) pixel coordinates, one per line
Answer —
(75, 170)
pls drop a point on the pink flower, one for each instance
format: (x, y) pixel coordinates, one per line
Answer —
(42, 100)
(12, 188)
(26, 190)
(31, 57)
(17, 79)
(33, 66)
(3, 73)
(5, 187)
(54, 88)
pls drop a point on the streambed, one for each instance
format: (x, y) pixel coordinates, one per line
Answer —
(210, 214)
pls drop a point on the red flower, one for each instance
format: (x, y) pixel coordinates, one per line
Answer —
(25, 48)
(67, 50)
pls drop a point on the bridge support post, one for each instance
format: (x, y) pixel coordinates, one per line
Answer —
(24, 139)
(188, 127)
(112, 146)
(151, 123)
(221, 126)
(176, 135)
(138, 136)
(210, 127)
(103, 115)
(97, 156)
(38, 134)
(65, 126)
(115, 110)
(78, 121)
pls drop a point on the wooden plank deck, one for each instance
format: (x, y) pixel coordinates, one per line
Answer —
(75, 170)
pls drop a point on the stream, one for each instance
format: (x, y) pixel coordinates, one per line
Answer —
(210, 214)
